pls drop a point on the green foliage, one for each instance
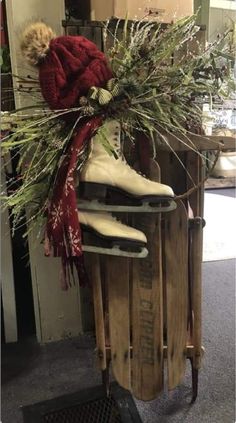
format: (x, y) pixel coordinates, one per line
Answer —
(41, 141)
(5, 61)
(165, 75)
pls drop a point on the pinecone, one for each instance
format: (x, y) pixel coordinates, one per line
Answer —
(83, 101)
(87, 110)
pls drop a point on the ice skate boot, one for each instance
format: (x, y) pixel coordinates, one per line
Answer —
(108, 183)
(104, 234)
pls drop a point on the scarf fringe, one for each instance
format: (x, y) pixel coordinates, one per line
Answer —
(67, 272)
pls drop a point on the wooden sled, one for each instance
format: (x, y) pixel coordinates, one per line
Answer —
(148, 311)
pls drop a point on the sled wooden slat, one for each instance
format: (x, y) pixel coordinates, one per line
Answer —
(194, 165)
(147, 362)
(117, 276)
(147, 315)
(189, 351)
(176, 258)
(95, 277)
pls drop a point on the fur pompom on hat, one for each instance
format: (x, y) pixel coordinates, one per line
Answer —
(35, 41)
(68, 65)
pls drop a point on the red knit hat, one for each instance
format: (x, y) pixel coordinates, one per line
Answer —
(71, 66)
(68, 65)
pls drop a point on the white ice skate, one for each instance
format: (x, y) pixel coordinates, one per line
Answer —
(104, 234)
(104, 175)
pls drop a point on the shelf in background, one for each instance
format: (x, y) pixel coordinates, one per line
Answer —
(213, 183)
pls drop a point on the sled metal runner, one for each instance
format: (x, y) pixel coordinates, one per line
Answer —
(144, 207)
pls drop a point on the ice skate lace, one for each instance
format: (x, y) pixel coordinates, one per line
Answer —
(121, 157)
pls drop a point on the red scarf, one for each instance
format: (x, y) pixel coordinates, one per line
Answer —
(63, 232)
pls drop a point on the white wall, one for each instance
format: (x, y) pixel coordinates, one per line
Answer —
(58, 313)
(220, 20)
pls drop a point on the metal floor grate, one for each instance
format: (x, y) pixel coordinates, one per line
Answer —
(88, 406)
(104, 410)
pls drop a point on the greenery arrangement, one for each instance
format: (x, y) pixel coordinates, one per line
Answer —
(5, 62)
(161, 78)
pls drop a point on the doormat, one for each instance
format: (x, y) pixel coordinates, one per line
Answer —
(88, 406)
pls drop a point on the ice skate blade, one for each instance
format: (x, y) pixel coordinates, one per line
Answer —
(96, 196)
(115, 251)
(96, 205)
